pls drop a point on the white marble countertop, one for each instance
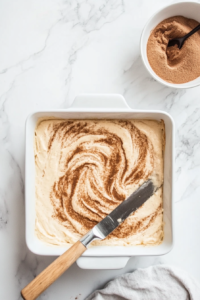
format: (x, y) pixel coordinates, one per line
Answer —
(52, 50)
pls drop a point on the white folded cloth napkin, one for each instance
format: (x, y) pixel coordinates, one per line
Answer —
(161, 282)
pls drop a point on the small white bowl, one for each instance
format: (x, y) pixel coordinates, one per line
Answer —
(187, 9)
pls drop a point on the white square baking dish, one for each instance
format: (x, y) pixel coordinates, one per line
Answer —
(103, 106)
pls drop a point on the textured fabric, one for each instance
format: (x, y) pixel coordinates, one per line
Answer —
(160, 282)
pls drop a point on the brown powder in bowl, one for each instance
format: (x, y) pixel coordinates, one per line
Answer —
(171, 64)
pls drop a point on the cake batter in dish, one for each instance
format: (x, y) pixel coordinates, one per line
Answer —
(173, 64)
(86, 168)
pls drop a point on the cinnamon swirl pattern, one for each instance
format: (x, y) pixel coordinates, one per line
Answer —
(85, 168)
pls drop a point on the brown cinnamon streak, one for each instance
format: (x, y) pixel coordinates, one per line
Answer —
(97, 174)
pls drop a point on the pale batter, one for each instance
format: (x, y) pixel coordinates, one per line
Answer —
(85, 168)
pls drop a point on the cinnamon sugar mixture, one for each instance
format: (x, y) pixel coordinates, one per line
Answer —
(85, 168)
(171, 64)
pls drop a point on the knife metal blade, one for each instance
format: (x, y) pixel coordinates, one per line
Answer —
(120, 213)
(100, 231)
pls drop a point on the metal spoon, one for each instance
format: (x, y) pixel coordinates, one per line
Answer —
(180, 41)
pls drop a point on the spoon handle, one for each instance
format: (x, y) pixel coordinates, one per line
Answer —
(192, 32)
(52, 272)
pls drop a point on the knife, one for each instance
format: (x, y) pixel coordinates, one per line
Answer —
(100, 232)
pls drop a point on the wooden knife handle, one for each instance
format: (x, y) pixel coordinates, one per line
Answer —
(52, 272)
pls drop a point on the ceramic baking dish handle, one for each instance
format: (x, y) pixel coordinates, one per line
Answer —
(99, 101)
(109, 263)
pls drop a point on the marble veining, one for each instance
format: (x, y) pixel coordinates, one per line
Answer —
(3, 212)
(52, 50)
